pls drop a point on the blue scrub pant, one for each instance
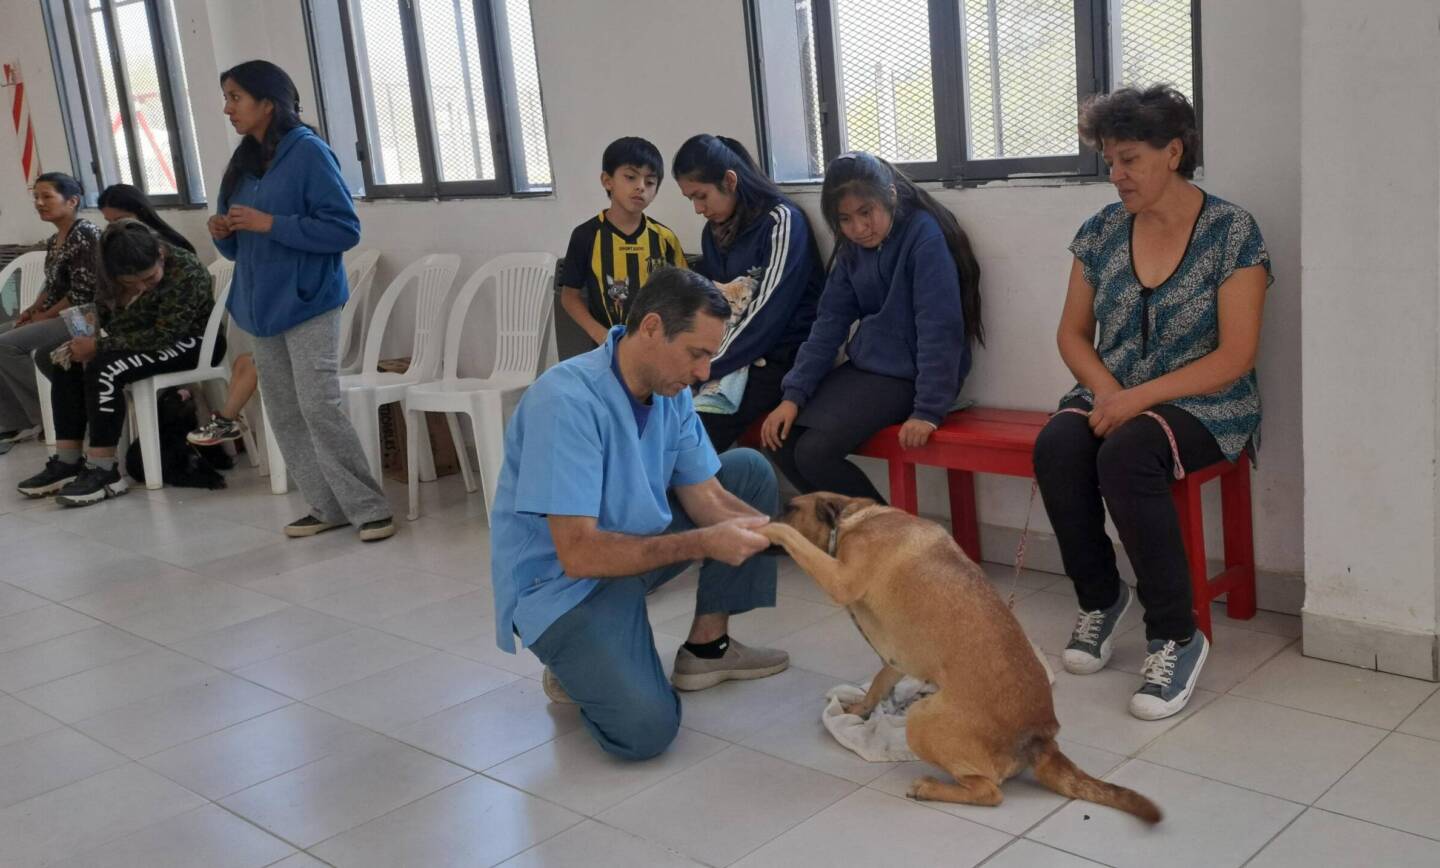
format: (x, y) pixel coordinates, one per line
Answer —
(603, 652)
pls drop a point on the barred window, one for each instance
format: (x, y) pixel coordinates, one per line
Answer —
(955, 90)
(119, 68)
(443, 95)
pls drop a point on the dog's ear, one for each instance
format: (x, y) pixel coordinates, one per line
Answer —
(828, 512)
(854, 505)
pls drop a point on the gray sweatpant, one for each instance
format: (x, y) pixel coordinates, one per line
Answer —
(19, 398)
(302, 395)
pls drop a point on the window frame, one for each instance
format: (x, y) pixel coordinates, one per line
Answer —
(953, 166)
(430, 187)
(72, 70)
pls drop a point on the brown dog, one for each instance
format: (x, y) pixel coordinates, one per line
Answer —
(929, 612)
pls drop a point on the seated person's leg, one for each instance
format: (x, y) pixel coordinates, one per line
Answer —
(603, 653)
(762, 394)
(67, 399)
(225, 425)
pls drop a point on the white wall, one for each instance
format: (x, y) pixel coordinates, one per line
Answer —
(1371, 209)
(691, 55)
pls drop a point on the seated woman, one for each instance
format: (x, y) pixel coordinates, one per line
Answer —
(749, 227)
(69, 280)
(153, 303)
(1175, 280)
(904, 268)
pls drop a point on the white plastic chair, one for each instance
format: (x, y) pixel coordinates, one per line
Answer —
(144, 393)
(431, 277)
(355, 316)
(31, 268)
(521, 286)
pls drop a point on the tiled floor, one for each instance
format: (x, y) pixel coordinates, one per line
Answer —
(182, 686)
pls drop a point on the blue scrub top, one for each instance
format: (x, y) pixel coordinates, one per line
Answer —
(573, 448)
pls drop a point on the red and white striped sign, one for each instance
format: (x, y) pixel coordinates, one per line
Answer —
(24, 129)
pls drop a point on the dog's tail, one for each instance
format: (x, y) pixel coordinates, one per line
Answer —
(1056, 772)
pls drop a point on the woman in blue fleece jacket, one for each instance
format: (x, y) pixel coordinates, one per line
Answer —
(750, 225)
(285, 216)
(904, 268)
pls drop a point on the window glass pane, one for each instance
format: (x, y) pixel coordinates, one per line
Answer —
(385, 91)
(105, 101)
(791, 86)
(1155, 42)
(886, 89)
(451, 53)
(152, 132)
(532, 165)
(1020, 90)
(180, 94)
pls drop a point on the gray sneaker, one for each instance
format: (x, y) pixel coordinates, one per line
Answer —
(740, 663)
(553, 691)
(1171, 671)
(1089, 648)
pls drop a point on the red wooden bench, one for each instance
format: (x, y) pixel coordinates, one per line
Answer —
(988, 440)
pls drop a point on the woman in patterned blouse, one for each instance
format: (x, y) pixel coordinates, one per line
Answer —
(1173, 279)
(69, 279)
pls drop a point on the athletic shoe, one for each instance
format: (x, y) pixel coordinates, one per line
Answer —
(56, 475)
(309, 526)
(1171, 671)
(218, 430)
(93, 485)
(1089, 648)
(740, 663)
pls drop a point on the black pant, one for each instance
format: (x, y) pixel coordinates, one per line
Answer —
(91, 396)
(1131, 470)
(762, 394)
(846, 410)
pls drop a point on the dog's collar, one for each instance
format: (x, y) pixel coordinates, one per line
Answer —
(834, 539)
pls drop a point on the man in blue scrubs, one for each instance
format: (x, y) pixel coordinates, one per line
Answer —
(610, 488)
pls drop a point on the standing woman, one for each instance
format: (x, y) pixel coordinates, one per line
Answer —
(124, 201)
(285, 216)
(70, 279)
(749, 225)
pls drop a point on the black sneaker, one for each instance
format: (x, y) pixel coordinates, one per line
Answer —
(54, 477)
(93, 485)
(308, 526)
(374, 531)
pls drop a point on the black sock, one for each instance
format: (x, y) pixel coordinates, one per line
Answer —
(710, 650)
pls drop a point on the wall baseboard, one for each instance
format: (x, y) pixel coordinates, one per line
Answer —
(1368, 645)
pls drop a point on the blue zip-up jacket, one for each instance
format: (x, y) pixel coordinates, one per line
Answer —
(906, 295)
(294, 272)
(783, 306)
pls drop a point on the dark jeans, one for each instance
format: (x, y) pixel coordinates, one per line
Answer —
(1129, 471)
(762, 394)
(846, 410)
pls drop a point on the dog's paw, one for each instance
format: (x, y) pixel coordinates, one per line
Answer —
(920, 786)
(859, 709)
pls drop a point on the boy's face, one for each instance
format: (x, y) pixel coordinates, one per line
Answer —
(631, 188)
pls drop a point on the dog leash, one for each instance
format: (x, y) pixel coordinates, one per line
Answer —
(1179, 473)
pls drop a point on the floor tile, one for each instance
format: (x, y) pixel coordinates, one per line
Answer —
(395, 698)
(476, 822)
(180, 715)
(833, 647)
(714, 813)
(492, 728)
(258, 639)
(67, 655)
(1334, 689)
(736, 710)
(251, 566)
(63, 579)
(1207, 824)
(1095, 710)
(1276, 750)
(1394, 786)
(596, 845)
(445, 622)
(130, 597)
(40, 624)
(257, 750)
(341, 791)
(1321, 838)
(323, 578)
(1233, 656)
(1027, 854)
(574, 772)
(871, 828)
(1425, 721)
(13, 600)
(332, 663)
(208, 836)
(300, 860)
(481, 648)
(799, 737)
(794, 582)
(389, 596)
(19, 721)
(49, 761)
(86, 694)
(191, 614)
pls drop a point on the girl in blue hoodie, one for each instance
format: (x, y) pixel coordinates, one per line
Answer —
(285, 216)
(903, 268)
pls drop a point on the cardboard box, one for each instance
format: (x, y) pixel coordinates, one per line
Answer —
(393, 459)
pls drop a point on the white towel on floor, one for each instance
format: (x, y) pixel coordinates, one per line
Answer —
(881, 737)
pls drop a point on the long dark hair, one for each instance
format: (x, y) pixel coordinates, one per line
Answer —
(126, 197)
(126, 247)
(706, 158)
(263, 80)
(870, 177)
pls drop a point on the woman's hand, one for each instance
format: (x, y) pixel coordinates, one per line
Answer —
(1114, 409)
(777, 425)
(82, 349)
(915, 432)
(26, 317)
(244, 219)
(219, 226)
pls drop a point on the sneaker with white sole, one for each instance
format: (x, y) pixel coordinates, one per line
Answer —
(56, 475)
(92, 485)
(218, 430)
(1090, 644)
(309, 526)
(739, 663)
(1171, 671)
(374, 531)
